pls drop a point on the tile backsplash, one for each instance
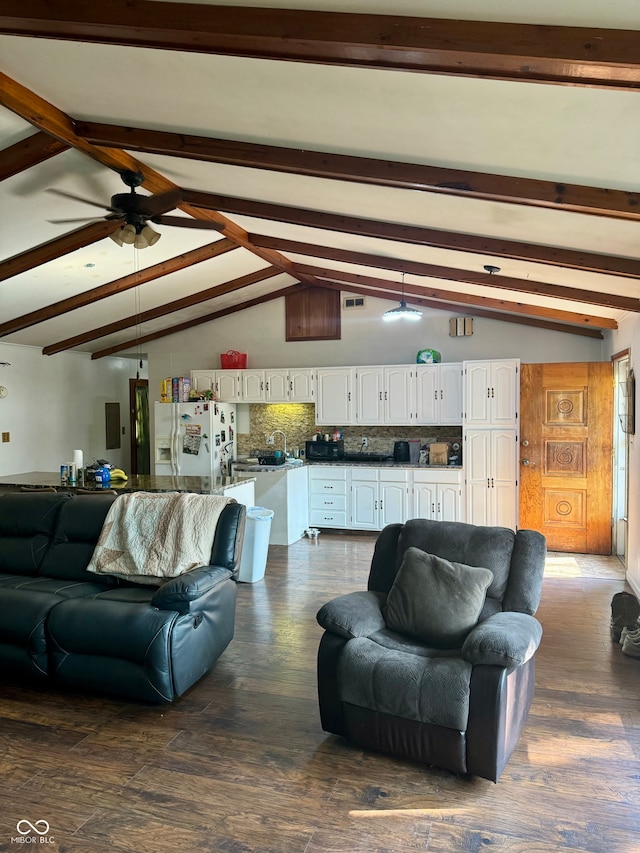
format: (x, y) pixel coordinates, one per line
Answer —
(297, 420)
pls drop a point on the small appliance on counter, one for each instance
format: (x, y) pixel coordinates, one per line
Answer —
(324, 451)
(401, 452)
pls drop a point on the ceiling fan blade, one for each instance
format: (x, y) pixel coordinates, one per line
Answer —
(84, 219)
(65, 194)
(183, 222)
(155, 205)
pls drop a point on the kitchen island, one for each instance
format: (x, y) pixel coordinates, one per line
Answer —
(240, 488)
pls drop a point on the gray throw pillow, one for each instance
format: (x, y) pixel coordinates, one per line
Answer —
(434, 600)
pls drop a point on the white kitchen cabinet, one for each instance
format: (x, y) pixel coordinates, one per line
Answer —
(439, 393)
(399, 395)
(227, 385)
(334, 405)
(328, 496)
(203, 380)
(368, 384)
(379, 496)
(492, 392)
(437, 495)
(491, 463)
(394, 495)
(276, 386)
(302, 384)
(252, 385)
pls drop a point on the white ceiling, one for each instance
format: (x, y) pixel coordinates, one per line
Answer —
(566, 134)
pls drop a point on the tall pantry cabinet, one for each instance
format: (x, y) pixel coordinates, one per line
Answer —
(490, 435)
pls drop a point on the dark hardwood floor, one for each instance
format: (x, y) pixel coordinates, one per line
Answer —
(240, 763)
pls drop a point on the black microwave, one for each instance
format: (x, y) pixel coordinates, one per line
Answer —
(324, 451)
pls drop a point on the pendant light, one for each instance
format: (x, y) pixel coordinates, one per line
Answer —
(402, 312)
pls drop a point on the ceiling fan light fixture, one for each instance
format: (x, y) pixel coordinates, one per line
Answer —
(128, 233)
(151, 237)
(402, 312)
(116, 236)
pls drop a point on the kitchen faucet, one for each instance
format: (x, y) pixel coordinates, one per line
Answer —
(284, 439)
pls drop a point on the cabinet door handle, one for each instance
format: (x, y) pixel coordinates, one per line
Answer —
(492, 482)
(327, 487)
(488, 486)
(492, 394)
(435, 395)
(380, 395)
(488, 392)
(433, 509)
(349, 396)
(375, 505)
(438, 509)
(385, 395)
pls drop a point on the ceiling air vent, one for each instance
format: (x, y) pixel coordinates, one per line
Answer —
(353, 302)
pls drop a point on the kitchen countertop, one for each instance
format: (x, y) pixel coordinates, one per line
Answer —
(138, 483)
(386, 464)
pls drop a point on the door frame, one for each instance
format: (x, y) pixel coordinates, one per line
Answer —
(620, 491)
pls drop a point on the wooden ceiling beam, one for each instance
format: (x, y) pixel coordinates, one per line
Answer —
(530, 192)
(479, 312)
(163, 310)
(452, 296)
(521, 285)
(119, 285)
(416, 235)
(55, 248)
(29, 152)
(206, 318)
(47, 117)
(505, 51)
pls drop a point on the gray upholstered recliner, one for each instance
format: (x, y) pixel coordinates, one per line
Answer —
(460, 704)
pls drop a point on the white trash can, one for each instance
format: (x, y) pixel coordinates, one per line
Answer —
(256, 544)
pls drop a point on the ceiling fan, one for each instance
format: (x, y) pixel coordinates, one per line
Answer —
(134, 212)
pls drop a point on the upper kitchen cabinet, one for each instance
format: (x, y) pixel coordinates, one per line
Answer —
(399, 395)
(492, 392)
(301, 384)
(333, 396)
(252, 386)
(227, 385)
(439, 393)
(368, 384)
(203, 380)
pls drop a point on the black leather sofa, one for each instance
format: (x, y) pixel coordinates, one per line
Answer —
(64, 625)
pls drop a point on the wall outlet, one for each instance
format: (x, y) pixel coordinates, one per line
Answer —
(268, 439)
(6, 437)
(364, 442)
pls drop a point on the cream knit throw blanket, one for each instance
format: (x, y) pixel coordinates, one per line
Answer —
(149, 537)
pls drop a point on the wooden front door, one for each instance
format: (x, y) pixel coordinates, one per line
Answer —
(565, 454)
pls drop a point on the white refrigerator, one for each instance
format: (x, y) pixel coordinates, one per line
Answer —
(194, 439)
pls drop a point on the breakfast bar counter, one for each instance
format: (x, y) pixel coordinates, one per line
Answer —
(222, 485)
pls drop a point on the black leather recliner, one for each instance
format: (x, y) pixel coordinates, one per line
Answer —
(463, 708)
(93, 632)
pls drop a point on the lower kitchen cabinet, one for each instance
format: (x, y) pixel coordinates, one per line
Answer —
(328, 496)
(437, 495)
(379, 496)
(362, 498)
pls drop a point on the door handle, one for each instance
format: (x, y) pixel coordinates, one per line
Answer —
(525, 462)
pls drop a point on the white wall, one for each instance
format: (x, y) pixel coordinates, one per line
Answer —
(628, 337)
(56, 403)
(260, 332)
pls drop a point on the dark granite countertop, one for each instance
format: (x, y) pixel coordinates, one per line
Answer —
(139, 483)
(386, 464)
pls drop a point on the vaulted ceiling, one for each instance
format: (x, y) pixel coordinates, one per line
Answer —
(307, 146)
